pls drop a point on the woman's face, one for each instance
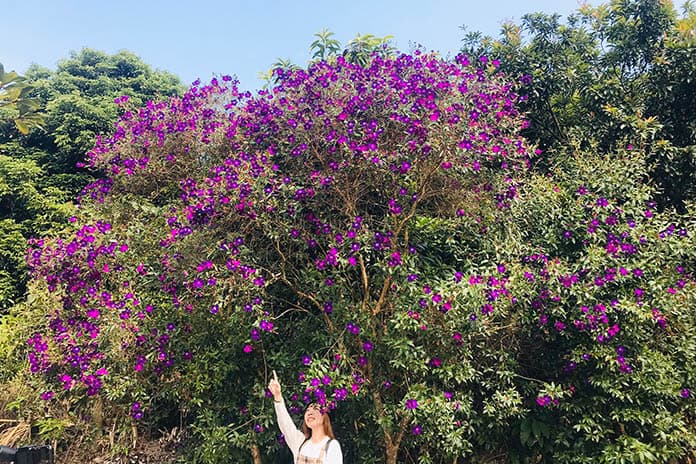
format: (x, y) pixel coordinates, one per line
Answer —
(313, 416)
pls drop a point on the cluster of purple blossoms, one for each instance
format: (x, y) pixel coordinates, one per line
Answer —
(546, 400)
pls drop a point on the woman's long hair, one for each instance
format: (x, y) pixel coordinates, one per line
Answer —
(327, 422)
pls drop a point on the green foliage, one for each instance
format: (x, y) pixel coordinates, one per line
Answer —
(26, 209)
(358, 50)
(324, 46)
(39, 176)
(619, 71)
(12, 247)
(361, 47)
(15, 100)
(605, 414)
(74, 121)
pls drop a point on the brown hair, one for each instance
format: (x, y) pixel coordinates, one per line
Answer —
(327, 422)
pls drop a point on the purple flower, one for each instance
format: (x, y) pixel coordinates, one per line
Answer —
(395, 259)
(353, 328)
(340, 394)
(411, 404)
(266, 326)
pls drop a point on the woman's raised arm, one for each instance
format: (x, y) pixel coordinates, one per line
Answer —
(293, 437)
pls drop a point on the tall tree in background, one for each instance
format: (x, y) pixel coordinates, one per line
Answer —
(79, 99)
(39, 172)
(616, 74)
(18, 197)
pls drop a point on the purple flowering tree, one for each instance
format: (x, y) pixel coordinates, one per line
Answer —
(373, 234)
(305, 206)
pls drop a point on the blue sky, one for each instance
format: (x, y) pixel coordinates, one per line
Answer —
(206, 37)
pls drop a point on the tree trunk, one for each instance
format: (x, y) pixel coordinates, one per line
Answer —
(256, 454)
(392, 452)
(134, 434)
(391, 442)
(98, 414)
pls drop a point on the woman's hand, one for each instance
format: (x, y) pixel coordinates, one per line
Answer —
(274, 387)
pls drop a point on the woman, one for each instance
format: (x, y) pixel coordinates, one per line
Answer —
(315, 443)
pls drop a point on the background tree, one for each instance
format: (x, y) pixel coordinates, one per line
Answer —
(619, 70)
(325, 46)
(39, 169)
(79, 98)
(25, 210)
